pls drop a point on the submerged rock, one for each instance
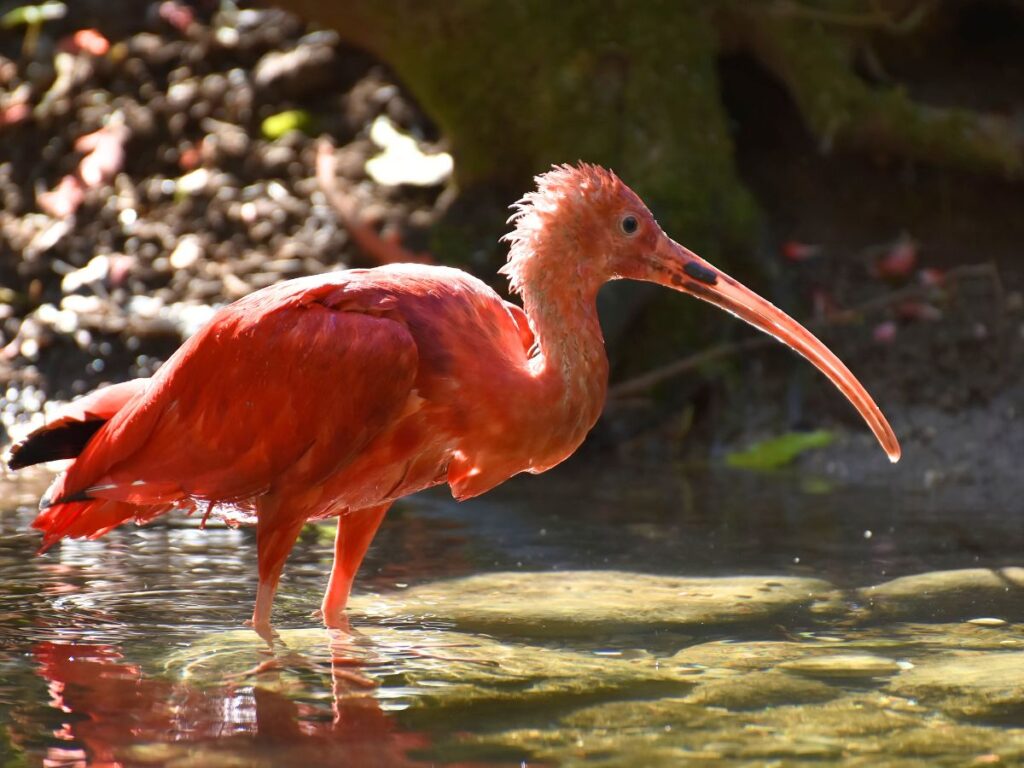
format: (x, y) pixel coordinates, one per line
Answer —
(897, 695)
(428, 668)
(566, 603)
(968, 684)
(843, 666)
(862, 729)
(757, 690)
(918, 639)
(939, 595)
(760, 674)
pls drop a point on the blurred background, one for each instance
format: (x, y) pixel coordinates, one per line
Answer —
(858, 162)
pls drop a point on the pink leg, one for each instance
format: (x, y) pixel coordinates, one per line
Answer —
(275, 537)
(355, 532)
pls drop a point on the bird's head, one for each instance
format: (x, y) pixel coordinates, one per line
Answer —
(584, 226)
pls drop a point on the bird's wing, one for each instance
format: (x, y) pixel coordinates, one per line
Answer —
(293, 380)
(69, 431)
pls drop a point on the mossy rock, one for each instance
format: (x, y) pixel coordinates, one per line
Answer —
(429, 668)
(968, 684)
(861, 729)
(575, 603)
(941, 595)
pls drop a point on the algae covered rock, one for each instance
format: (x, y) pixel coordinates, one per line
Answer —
(938, 595)
(427, 668)
(843, 666)
(968, 684)
(855, 729)
(756, 690)
(758, 674)
(565, 603)
(920, 639)
(903, 694)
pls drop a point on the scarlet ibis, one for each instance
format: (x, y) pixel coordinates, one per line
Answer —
(334, 395)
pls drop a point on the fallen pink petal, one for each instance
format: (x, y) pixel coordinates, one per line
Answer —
(795, 251)
(179, 16)
(63, 200)
(105, 157)
(90, 41)
(897, 263)
(16, 113)
(885, 332)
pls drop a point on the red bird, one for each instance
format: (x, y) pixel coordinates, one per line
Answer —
(334, 395)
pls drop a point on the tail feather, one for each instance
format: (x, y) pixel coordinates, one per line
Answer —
(66, 436)
(88, 518)
(69, 511)
(79, 519)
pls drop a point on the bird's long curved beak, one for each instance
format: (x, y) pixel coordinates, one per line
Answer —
(679, 268)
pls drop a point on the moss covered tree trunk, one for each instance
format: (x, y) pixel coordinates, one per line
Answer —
(518, 86)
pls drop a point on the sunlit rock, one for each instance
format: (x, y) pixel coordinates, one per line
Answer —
(858, 729)
(968, 684)
(939, 595)
(751, 656)
(918, 639)
(756, 690)
(842, 666)
(582, 602)
(759, 674)
(426, 667)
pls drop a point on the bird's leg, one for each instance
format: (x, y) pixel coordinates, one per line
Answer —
(275, 538)
(352, 539)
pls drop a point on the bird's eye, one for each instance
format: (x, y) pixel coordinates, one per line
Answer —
(629, 225)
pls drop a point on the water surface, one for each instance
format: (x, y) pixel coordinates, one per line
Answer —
(130, 650)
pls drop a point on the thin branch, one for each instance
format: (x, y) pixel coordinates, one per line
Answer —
(874, 19)
(378, 249)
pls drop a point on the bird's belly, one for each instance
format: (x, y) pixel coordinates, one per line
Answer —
(435, 443)
(405, 460)
(418, 455)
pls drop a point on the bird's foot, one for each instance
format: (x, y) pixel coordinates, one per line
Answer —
(264, 630)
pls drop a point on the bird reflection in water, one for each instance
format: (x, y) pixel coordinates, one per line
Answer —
(116, 715)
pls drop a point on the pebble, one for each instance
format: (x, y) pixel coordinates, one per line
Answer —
(188, 251)
(843, 665)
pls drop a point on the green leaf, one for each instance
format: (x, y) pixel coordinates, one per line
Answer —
(780, 451)
(276, 126)
(33, 15)
(816, 486)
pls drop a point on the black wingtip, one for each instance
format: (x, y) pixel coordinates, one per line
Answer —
(16, 459)
(63, 442)
(72, 497)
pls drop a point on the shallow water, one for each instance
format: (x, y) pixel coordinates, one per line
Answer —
(130, 650)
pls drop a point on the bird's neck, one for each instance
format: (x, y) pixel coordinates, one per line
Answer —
(569, 363)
